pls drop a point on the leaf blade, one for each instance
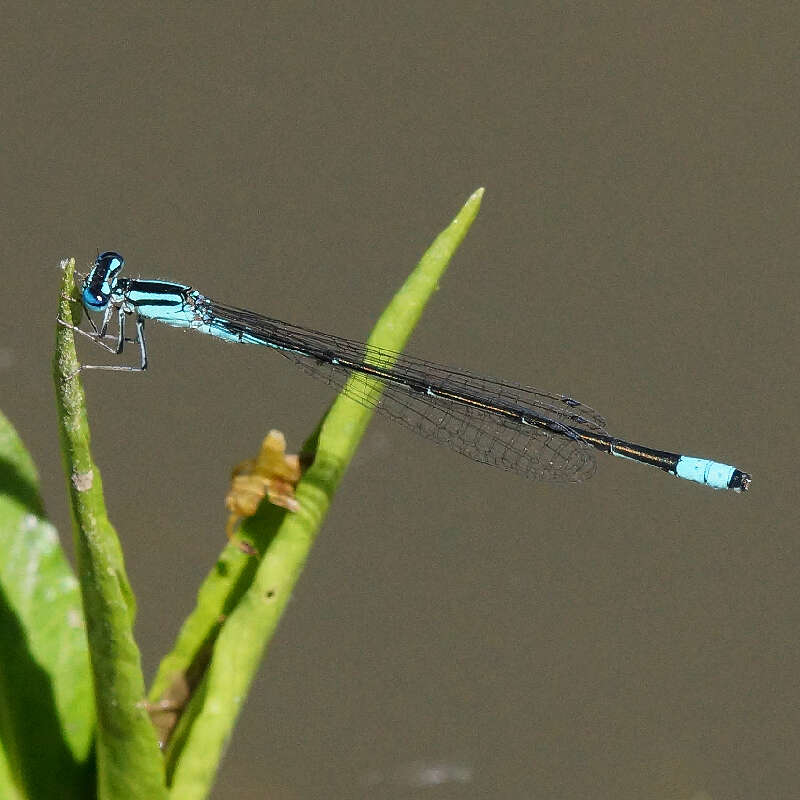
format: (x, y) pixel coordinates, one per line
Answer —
(129, 763)
(45, 682)
(286, 539)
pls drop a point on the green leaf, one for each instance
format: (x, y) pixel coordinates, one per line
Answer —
(129, 763)
(46, 704)
(241, 602)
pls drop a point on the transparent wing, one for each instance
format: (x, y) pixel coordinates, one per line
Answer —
(544, 449)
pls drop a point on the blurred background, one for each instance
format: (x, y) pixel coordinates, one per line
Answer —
(459, 631)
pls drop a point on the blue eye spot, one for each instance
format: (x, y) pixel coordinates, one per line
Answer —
(95, 301)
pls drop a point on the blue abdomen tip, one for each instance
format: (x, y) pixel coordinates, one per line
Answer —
(701, 470)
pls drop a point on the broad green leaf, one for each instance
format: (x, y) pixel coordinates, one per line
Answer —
(46, 704)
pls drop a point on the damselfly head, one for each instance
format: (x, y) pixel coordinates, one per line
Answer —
(100, 282)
